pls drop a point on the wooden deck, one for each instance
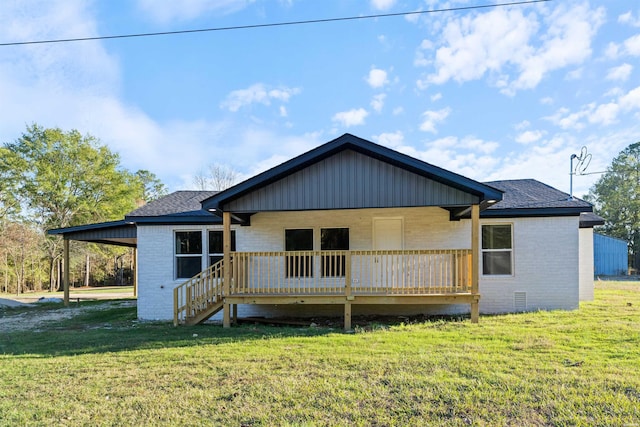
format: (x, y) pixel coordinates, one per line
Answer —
(329, 277)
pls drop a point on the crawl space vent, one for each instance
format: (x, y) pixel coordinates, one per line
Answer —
(520, 301)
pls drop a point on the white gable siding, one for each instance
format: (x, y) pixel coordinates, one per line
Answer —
(545, 258)
(586, 264)
(545, 267)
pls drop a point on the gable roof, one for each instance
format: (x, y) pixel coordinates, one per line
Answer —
(481, 193)
(177, 207)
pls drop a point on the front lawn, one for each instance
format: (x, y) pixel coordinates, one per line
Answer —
(103, 367)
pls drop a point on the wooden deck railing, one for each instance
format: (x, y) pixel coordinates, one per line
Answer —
(402, 272)
(198, 293)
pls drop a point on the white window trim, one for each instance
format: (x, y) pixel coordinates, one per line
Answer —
(512, 250)
(210, 254)
(204, 243)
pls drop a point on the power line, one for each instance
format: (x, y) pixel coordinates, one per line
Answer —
(276, 24)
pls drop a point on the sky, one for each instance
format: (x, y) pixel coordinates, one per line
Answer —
(492, 93)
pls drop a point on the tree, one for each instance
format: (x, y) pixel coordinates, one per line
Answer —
(152, 187)
(66, 179)
(217, 177)
(616, 196)
(8, 201)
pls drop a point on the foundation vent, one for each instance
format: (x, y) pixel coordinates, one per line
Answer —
(520, 301)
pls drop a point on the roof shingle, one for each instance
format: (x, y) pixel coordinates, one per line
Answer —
(532, 194)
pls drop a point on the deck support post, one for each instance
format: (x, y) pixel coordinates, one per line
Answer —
(226, 265)
(347, 316)
(475, 261)
(65, 275)
(347, 291)
(234, 309)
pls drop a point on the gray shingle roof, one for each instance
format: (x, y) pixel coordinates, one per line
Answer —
(180, 203)
(532, 194)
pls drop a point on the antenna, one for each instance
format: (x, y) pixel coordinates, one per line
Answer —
(583, 160)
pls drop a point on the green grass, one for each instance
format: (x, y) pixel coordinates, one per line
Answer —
(544, 368)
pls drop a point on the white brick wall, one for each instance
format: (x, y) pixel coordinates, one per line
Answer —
(545, 257)
(586, 264)
(545, 267)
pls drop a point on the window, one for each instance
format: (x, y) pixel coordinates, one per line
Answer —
(299, 240)
(216, 248)
(188, 254)
(334, 239)
(497, 250)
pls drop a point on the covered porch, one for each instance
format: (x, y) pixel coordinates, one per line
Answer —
(349, 183)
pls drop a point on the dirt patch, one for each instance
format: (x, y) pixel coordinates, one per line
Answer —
(15, 320)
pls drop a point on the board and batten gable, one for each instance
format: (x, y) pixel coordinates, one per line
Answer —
(350, 180)
(545, 276)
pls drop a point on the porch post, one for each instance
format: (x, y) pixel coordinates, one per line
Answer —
(135, 272)
(475, 261)
(226, 265)
(65, 274)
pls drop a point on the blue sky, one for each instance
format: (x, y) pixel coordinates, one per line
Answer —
(495, 93)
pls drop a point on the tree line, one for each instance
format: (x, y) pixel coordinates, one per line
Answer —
(50, 178)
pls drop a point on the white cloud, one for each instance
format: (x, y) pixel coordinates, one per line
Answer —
(522, 125)
(436, 97)
(377, 103)
(628, 18)
(620, 73)
(602, 114)
(632, 45)
(605, 114)
(257, 93)
(469, 156)
(529, 136)
(390, 139)
(283, 111)
(382, 4)
(185, 10)
(506, 41)
(547, 100)
(431, 118)
(631, 100)
(612, 51)
(574, 74)
(352, 117)
(377, 78)
(397, 111)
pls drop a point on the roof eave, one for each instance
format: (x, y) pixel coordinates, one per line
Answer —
(534, 212)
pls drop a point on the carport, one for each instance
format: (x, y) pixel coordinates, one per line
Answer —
(118, 233)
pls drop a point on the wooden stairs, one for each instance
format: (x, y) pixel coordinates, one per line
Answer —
(200, 297)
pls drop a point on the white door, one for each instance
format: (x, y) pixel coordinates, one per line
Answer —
(388, 234)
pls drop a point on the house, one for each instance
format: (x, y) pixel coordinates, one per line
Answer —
(355, 226)
(610, 256)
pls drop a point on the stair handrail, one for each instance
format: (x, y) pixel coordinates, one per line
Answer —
(196, 294)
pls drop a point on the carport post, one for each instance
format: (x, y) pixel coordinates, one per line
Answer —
(65, 276)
